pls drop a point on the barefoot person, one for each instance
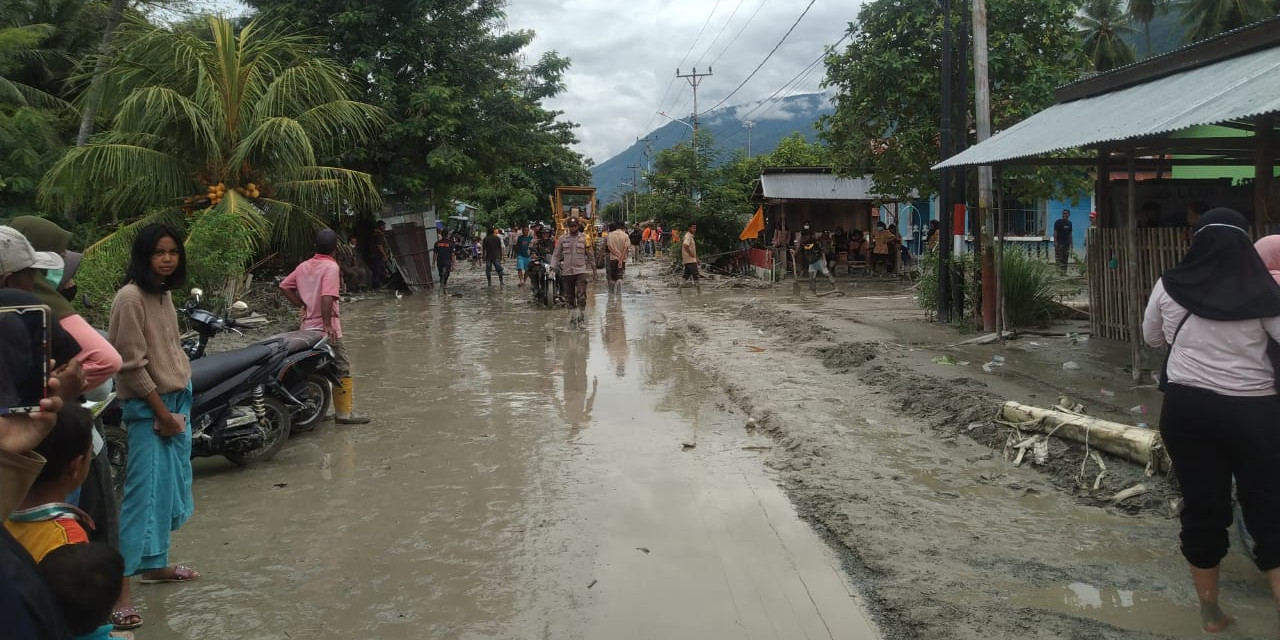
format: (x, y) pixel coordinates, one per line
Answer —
(1217, 311)
(154, 384)
(314, 287)
(689, 254)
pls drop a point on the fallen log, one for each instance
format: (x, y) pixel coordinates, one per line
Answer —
(1135, 444)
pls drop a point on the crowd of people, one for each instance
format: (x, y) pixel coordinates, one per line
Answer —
(880, 250)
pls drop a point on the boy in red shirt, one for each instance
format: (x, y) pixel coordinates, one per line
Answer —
(314, 287)
(44, 521)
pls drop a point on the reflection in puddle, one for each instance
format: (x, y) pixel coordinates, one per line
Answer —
(1087, 596)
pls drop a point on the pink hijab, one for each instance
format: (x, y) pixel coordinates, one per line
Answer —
(1269, 248)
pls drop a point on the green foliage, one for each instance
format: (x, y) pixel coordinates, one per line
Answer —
(468, 120)
(1028, 288)
(889, 84)
(1207, 18)
(218, 249)
(964, 267)
(1102, 26)
(202, 103)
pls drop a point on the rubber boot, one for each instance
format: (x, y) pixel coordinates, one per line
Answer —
(342, 401)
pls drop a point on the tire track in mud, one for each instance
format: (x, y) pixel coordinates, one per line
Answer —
(897, 471)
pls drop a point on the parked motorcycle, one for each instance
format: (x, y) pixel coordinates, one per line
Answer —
(544, 282)
(303, 380)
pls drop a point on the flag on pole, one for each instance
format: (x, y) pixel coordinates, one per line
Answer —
(754, 227)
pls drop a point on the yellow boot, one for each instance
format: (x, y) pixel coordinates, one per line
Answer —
(342, 401)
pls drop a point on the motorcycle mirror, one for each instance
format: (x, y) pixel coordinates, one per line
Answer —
(239, 306)
(197, 292)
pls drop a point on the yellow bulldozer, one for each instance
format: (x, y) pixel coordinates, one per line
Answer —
(568, 202)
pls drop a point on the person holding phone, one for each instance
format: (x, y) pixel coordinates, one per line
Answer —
(154, 384)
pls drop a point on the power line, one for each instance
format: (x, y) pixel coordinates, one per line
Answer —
(727, 22)
(740, 32)
(800, 78)
(766, 58)
(683, 59)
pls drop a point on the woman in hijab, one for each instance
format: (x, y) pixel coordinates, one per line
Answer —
(1218, 311)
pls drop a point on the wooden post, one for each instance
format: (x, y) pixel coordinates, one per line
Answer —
(1131, 280)
(1264, 170)
(1102, 201)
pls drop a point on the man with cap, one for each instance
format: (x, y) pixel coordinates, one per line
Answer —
(314, 287)
(572, 258)
(1062, 240)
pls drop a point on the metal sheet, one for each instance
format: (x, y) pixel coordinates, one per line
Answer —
(1235, 89)
(814, 186)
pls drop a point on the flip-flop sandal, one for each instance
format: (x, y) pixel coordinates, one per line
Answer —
(126, 618)
(180, 573)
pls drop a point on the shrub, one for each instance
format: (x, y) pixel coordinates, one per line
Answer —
(1028, 288)
(218, 250)
(962, 266)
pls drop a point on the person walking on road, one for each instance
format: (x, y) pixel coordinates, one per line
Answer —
(812, 253)
(154, 384)
(378, 254)
(689, 254)
(522, 244)
(493, 255)
(1218, 311)
(444, 260)
(314, 287)
(619, 245)
(573, 259)
(1062, 240)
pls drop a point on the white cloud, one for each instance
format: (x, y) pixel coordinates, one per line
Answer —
(625, 57)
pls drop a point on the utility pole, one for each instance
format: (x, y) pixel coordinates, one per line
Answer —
(635, 187)
(749, 125)
(648, 150)
(991, 302)
(694, 79)
(944, 191)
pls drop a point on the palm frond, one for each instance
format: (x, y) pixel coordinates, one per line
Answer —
(129, 179)
(275, 142)
(343, 122)
(153, 109)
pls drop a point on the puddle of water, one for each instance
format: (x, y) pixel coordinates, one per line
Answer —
(519, 481)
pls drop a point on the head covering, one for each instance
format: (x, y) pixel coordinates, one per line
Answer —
(16, 254)
(45, 235)
(1222, 277)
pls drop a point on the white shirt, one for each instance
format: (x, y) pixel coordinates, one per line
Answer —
(1225, 357)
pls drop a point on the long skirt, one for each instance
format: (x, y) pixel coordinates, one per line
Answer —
(157, 490)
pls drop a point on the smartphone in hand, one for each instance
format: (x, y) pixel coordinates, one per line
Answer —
(25, 352)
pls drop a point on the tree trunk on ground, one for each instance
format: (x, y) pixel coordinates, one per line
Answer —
(1135, 444)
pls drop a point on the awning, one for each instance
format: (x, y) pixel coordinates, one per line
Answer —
(813, 186)
(1229, 90)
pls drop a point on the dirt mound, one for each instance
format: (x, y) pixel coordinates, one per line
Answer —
(792, 327)
(847, 355)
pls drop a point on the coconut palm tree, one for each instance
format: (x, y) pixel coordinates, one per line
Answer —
(1208, 18)
(1143, 12)
(1101, 24)
(208, 116)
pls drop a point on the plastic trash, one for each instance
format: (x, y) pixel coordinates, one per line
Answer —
(1139, 409)
(997, 359)
(1143, 425)
(1070, 365)
(1107, 393)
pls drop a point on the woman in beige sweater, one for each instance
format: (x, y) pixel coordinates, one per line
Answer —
(155, 385)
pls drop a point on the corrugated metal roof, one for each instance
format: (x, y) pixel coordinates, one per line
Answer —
(1235, 89)
(814, 186)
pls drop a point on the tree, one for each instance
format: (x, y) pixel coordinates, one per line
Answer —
(888, 88)
(465, 107)
(1143, 12)
(210, 116)
(1207, 18)
(1102, 26)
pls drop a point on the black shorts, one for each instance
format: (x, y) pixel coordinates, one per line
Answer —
(614, 269)
(691, 270)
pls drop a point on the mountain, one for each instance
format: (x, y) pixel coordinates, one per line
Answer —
(774, 120)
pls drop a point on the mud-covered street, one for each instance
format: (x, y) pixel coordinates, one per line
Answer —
(734, 462)
(520, 480)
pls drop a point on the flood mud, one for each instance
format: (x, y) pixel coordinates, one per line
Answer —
(888, 448)
(519, 480)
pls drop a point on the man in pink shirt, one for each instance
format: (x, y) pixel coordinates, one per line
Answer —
(313, 287)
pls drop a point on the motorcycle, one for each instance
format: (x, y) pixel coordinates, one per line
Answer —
(545, 283)
(303, 379)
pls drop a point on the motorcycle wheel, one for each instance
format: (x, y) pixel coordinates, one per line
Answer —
(279, 422)
(117, 449)
(316, 393)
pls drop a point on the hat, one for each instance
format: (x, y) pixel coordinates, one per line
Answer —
(16, 254)
(71, 262)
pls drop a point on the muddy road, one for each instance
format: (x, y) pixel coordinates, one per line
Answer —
(519, 480)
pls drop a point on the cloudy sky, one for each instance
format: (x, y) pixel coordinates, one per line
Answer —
(625, 56)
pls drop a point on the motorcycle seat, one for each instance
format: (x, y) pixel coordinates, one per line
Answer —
(295, 341)
(208, 371)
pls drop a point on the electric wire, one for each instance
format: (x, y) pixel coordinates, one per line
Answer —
(683, 59)
(720, 33)
(739, 33)
(766, 58)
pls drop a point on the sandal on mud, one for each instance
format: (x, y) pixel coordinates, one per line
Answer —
(126, 618)
(177, 573)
